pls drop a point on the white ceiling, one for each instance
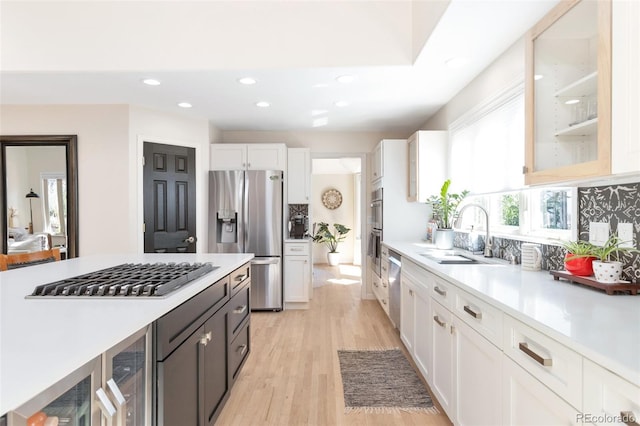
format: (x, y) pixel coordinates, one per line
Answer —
(393, 97)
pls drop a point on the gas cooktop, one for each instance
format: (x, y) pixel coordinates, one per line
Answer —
(126, 280)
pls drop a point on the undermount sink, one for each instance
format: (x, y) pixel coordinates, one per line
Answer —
(453, 257)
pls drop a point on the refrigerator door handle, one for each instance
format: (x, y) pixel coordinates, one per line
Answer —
(270, 261)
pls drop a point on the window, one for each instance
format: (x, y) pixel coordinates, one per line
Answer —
(55, 203)
(487, 144)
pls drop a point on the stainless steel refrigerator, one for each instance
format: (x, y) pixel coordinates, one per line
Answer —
(245, 216)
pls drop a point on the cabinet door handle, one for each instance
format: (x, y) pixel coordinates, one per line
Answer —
(524, 347)
(120, 402)
(411, 293)
(384, 302)
(440, 291)
(468, 309)
(241, 278)
(240, 309)
(206, 338)
(384, 284)
(628, 418)
(242, 349)
(439, 322)
(106, 406)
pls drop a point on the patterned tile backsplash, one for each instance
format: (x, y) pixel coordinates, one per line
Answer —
(613, 204)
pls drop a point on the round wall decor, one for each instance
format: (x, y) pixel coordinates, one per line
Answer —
(332, 199)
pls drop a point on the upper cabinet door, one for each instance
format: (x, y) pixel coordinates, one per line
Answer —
(299, 175)
(227, 156)
(568, 93)
(267, 156)
(427, 163)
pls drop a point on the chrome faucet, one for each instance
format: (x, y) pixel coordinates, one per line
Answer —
(488, 252)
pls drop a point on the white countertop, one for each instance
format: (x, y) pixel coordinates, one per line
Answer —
(42, 341)
(603, 328)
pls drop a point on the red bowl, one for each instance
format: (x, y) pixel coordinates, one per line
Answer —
(580, 266)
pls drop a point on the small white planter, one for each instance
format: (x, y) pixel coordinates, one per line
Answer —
(444, 239)
(607, 272)
(333, 258)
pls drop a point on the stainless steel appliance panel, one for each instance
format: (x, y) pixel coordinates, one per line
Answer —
(226, 211)
(264, 212)
(266, 283)
(395, 267)
(374, 251)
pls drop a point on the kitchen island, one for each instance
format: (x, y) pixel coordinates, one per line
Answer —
(44, 340)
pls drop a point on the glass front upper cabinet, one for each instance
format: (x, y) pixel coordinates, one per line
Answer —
(568, 93)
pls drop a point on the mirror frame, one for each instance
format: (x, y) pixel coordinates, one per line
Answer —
(70, 143)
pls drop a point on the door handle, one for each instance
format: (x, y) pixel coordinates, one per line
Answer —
(240, 309)
(524, 347)
(120, 402)
(240, 278)
(265, 262)
(242, 349)
(190, 240)
(205, 338)
(439, 322)
(106, 406)
(440, 291)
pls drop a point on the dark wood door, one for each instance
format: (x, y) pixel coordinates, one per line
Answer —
(169, 199)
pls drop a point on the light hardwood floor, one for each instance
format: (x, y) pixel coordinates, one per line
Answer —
(292, 376)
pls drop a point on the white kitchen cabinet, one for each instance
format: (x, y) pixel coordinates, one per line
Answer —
(378, 163)
(568, 93)
(297, 274)
(298, 175)
(442, 357)
(477, 377)
(228, 156)
(608, 398)
(526, 401)
(407, 312)
(422, 334)
(427, 159)
(553, 364)
(625, 87)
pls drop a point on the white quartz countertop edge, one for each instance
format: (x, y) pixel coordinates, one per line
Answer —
(603, 328)
(42, 341)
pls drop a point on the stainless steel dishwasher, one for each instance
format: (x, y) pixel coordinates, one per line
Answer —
(394, 287)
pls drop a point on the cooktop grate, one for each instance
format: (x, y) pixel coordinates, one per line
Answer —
(127, 280)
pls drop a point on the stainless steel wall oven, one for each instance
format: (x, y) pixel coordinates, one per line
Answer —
(375, 235)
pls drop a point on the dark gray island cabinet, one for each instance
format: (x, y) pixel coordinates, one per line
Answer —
(200, 347)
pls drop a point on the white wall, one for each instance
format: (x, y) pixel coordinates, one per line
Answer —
(108, 184)
(502, 73)
(343, 214)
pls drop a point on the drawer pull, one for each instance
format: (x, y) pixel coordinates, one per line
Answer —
(411, 293)
(206, 338)
(384, 269)
(628, 418)
(240, 278)
(240, 309)
(468, 309)
(440, 323)
(440, 291)
(296, 249)
(384, 302)
(242, 349)
(524, 347)
(384, 284)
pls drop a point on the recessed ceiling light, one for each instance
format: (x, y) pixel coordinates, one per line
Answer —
(247, 81)
(456, 62)
(538, 77)
(263, 104)
(345, 79)
(341, 104)
(319, 122)
(151, 81)
(185, 105)
(316, 112)
(572, 101)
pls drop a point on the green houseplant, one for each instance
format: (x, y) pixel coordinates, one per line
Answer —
(331, 239)
(605, 269)
(445, 207)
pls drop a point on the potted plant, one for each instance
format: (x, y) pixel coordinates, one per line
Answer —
(579, 257)
(324, 235)
(445, 206)
(607, 270)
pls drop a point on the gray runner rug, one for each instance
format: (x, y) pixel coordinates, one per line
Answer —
(381, 380)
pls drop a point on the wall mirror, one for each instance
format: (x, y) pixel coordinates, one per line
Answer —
(39, 193)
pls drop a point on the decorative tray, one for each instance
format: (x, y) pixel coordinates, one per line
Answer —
(619, 287)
